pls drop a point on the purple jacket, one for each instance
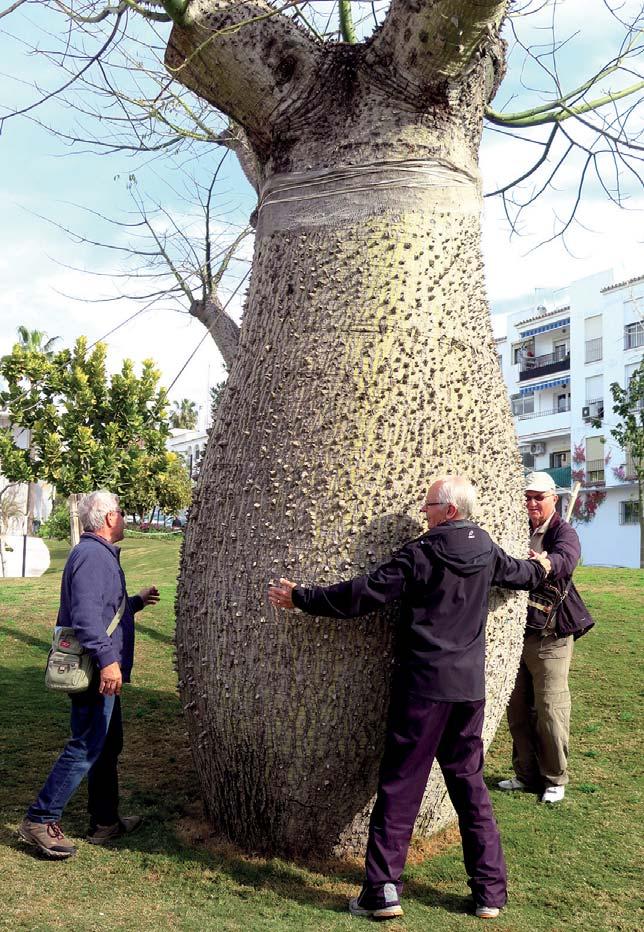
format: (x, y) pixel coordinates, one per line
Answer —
(442, 580)
(562, 546)
(91, 591)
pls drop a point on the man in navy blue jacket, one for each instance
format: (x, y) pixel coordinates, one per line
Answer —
(442, 580)
(92, 591)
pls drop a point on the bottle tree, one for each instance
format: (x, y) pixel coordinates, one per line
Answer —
(365, 367)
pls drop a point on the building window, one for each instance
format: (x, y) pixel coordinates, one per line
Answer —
(559, 459)
(595, 460)
(629, 513)
(563, 403)
(594, 389)
(522, 404)
(527, 459)
(634, 335)
(594, 350)
(560, 350)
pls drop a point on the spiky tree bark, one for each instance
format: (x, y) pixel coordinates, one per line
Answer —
(365, 366)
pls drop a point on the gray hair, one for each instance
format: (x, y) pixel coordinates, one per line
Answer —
(93, 507)
(457, 491)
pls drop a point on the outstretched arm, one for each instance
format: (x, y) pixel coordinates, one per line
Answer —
(357, 596)
(510, 573)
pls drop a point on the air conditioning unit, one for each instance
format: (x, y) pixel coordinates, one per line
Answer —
(538, 447)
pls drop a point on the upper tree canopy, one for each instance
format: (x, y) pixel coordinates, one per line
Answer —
(578, 118)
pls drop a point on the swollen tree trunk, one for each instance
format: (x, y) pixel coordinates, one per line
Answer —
(365, 369)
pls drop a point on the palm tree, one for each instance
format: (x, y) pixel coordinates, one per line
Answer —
(35, 341)
(185, 414)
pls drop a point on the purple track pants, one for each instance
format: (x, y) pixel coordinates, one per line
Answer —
(420, 730)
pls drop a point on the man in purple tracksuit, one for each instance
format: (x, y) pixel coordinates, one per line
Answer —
(442, 580)
(92, 591)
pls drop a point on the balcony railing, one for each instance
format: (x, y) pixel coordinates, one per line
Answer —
(595, 472)
(560, 409)
(595, 409)
(537, 366)
(633, 336)
(561, 475)
(593, 350)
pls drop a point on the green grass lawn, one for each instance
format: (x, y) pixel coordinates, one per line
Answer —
(571, 866)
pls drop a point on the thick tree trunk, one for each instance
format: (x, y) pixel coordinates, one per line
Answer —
(365, 368)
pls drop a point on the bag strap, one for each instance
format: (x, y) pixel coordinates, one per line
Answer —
(565, 592)
(113, 625)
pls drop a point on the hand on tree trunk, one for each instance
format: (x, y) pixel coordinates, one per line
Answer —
(280, 594)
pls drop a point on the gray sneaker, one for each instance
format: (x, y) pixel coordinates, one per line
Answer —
(386, 905)
(513, 783)
(106, 834)
(48, 837)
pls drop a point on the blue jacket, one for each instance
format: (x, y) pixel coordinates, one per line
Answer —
(442, 580)
(91, 591)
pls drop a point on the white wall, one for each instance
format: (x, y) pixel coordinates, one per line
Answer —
(604, 542)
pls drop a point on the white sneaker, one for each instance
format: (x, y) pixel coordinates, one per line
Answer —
(512, 784)
(487, 912)
(553, 794)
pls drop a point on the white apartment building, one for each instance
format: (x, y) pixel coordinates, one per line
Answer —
(14, 495)
(559, 357)
(189, 444)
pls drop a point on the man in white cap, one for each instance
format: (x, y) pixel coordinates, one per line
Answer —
(539, 709)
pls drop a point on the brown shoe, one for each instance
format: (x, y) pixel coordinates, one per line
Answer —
(47, 837)
(106, 834)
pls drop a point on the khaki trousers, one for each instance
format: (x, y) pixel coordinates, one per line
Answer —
(539, 712)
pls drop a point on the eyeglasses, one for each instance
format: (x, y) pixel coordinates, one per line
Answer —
(427, 504)
(538, 498)
(119, 511)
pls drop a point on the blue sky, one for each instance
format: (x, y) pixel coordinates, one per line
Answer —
(42, 175)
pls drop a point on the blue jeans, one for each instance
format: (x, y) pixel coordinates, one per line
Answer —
(92, 751)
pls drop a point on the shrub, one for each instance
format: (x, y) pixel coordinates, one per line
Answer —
(56, 526)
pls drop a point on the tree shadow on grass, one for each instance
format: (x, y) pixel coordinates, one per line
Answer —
(25, 638)
(158, 782)
(155, 635)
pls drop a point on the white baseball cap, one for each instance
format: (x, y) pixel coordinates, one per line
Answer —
(540, 482)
